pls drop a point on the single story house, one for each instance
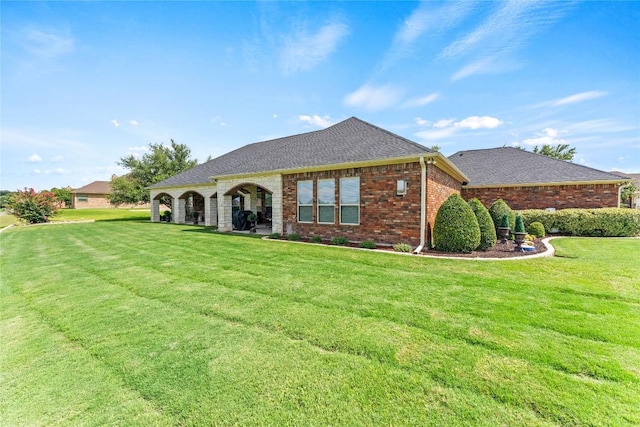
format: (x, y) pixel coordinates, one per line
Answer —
(351, 179)
(526, 180)
(91, 196)
(634, 202)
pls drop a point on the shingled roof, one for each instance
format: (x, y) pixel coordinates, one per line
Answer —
(350, 141)
(96, 187)
(508, 166)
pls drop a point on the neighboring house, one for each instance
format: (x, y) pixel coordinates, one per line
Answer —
(635, 178)
(526, 180)
(91, 196)
(351, 179)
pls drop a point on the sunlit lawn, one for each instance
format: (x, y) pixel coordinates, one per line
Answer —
(101, 214)
(135, 323)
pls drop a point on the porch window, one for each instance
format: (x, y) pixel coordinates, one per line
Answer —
(305, 201)
(326, 201)
(350, 200)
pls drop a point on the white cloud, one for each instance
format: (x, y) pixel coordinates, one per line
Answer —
(578, 97)
(548, 136)
(316, 120)
(56, 171)
(422, 122)
(475, 122)
(303, 51)
(506, 30)
(275, 116)
(37, 171)
(137, 151)
(217, 120)
(47, 43)
(436, 134)
(133, 122)
(443, 123)
(422, 101)
(34, 158)
(373, 98)
(115, 123)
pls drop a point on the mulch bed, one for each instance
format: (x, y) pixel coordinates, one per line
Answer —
(498, 251)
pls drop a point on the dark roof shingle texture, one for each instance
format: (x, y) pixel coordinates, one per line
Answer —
(513, 166)
(96, 187)
(349, 141)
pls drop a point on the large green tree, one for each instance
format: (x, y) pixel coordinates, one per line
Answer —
(560, 151)
(159, 163)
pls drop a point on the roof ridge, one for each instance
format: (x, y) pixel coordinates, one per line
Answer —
(390, 133)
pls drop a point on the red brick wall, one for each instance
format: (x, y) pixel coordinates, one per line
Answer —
(385, 217)
(552, 196)
(440, 186)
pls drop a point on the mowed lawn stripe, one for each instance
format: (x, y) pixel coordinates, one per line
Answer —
(403, 322)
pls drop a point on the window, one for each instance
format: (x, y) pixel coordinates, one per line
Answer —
(349, 200)
(83, 197)
(326, 201)
(305, 201)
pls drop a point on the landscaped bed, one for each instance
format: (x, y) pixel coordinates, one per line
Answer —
(135, 323)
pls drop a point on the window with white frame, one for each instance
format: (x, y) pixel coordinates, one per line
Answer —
(305, 201)
(326, 201)
(350, 200)
(83, 198)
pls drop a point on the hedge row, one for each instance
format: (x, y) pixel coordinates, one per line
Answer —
(606, 222)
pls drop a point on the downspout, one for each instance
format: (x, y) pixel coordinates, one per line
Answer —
(423, 204)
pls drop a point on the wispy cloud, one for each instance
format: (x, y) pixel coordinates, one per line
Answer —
(303, 50)
(57, 159)
(572, 99)
(47, 43)
(490, 46)
(115, 123)
(373, 98)
(445, 128)
(34, 158)
(29, 139)
(548, 136)
(316, 120)
(421, 101)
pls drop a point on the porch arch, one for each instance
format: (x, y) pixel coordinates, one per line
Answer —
(191, 207)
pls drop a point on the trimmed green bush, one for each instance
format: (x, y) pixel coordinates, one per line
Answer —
(368, 244)
(604, 222)
(504, 222)
(402, 247)
(456, 227)
(487, 228)
(519, 227)
(294, 237)
(339, 241)
(536, 229)
(498, 209)
(315, 239)
(275, 236)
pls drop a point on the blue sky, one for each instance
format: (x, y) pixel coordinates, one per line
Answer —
(87, 83)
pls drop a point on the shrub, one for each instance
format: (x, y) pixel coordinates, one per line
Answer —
(33, 207)
(498, 209)
(487, 228)
(339, 241)
(504, 222)
(519, 227)
(402, 247)
(536, 229)
(456, 228)
(315, 239)
(294, 237)
(275, 236)
(603, 222)
(368, 244)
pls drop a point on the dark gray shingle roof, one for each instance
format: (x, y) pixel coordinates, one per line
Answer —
(349, 141)
(513, 166)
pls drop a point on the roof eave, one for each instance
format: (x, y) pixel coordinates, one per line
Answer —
(547, 184)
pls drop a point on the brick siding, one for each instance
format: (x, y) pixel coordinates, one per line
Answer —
(385, 217)
(542, 197)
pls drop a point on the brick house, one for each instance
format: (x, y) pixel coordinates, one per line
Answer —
(351, 179)
(526, 180)
(91, 196)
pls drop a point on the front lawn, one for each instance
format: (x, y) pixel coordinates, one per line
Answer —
(138, 323)
(101, 214)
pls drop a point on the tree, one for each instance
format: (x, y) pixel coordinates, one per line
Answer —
(161, 162)
(5, 197)
(627, 193)
(63, 195)
(560, 151)
(32, 206)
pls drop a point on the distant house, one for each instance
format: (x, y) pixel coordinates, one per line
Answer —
(93, 196)
(634, 203)
(527, 180)
(352, 179)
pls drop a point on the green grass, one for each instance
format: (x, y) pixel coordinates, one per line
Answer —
(6, 220)
(134, 323)
(101, 214)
